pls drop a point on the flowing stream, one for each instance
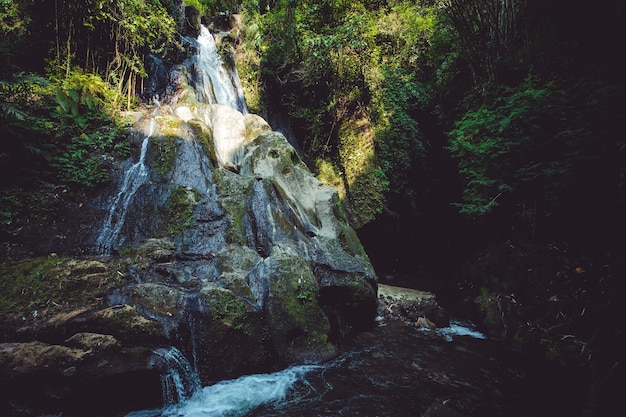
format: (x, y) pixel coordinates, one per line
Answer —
(390, 370)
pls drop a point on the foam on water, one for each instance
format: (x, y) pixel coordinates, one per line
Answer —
(235, 397)
(460, 328)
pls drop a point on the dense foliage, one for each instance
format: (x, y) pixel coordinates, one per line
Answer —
(68, 68)
(529, 127)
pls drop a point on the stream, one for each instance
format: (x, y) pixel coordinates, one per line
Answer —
(392, 369)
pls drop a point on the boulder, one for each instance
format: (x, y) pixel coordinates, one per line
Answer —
(415, 307)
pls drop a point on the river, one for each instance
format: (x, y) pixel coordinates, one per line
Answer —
(395, 370)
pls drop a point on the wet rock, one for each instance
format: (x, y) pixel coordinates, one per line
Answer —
(419, 308)
(298, 325)
(92, 341)
(192, 22)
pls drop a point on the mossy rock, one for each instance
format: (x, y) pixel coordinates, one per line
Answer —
(162, 154)
(155, 249)
(227, 309)
(125, 323)
(237, 283)
(236, 258)
(350, 240)
(233, 190)
(204, 136)
(51, 284)
(157, 299)
(299, 327)
(269, 155)
(254, 126)
(179, 211)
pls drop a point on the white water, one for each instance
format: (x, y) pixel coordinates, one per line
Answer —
(180, 382)
(136, 176)
(459, 328)
(234, 398)
(217, 86)
(223, 88)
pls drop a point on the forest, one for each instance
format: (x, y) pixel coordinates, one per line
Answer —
(475, 144)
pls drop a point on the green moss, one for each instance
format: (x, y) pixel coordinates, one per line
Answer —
(187, 96)
(204, 136)
(126, 323)
(228, 309)
(294, 310)
(40, 283)
(489, 307)
(162, 153)
(364, 180)
(236, 283)
(233, 190)
(330, 175)
(170, 126)
(350, 240)
(127, 252)
(179, 211)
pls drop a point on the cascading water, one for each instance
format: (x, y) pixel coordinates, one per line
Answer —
(218, 85)
(215, 84)
(237, 397)
(134, 177)
(387, 376)
(179, 381)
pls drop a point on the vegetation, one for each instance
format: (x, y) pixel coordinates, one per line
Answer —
(41, 285)
(179, 211)
(505, 110)
(67, 69)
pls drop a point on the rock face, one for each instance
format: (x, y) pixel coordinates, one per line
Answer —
(216, 239)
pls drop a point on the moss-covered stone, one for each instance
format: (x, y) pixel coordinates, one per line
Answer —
(233, 191)
(236, 263)
(350, 240)
(204, 136)
(254, 126)
(27, 288)
(299, 326)
(162, 153)
(179, 211)
(228, 309)
(127, 324)
(237, 283)
(157, 299)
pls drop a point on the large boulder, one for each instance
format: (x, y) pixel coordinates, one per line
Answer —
(411, 306)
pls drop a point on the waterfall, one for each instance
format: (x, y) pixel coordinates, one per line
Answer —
(133, 179)
(193, 308)
(179, 381)
(214, 83)
(222, 85)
